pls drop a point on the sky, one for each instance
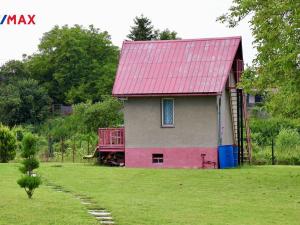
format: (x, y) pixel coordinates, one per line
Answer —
(189, 18)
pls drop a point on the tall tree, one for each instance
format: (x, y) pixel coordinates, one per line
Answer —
(142, 29)
(12, 71)
(75, 64)
(276, 68)
(23, 101)
(9, 105)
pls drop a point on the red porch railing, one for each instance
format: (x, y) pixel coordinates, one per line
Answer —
(111, 139)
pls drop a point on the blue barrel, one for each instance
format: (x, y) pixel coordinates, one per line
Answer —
(235, 156)
(226, 156)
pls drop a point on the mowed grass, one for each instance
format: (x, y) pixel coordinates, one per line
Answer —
(255, 196)
(45, 208)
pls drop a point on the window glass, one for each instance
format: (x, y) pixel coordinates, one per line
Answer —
(168, 112)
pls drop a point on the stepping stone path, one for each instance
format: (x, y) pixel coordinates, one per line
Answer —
(102, 215)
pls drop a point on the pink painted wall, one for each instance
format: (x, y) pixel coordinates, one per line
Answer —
(189, 157)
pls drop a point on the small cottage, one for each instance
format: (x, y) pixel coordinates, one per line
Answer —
(180, 103)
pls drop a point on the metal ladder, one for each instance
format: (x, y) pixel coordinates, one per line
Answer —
(248, 152)
(236, 114)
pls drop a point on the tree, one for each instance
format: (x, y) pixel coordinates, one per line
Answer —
(83, 123)
(90, 117)
(9, 104)
(73, 130)
(29, 180)
(35, 102)
(23, 101)
(75, 64)
(8, 144)
(12, 71)
(101, 114)
(142, 29)
(276, 68)
(166, 34)
(60, 130)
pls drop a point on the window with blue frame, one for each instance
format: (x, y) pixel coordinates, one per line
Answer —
(167, 112)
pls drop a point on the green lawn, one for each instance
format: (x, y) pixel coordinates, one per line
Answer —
(254, 195)
(47, 207)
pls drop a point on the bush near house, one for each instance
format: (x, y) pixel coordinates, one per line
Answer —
(71, 137)
(8, 144)
(285, 134)
(288, 138)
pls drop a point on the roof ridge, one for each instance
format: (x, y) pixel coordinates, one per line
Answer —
(183, 40)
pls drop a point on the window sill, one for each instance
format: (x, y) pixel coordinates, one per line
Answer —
(167, 126)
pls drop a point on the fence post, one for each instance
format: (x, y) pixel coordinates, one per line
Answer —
(273, 158)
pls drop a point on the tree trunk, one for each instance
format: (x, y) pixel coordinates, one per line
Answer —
(50, 146)
(74, 149)
(62, 149)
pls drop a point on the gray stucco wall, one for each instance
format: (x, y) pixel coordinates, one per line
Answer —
(226, 119)
(195, 123)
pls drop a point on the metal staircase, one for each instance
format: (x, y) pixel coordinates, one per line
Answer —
(239, 116)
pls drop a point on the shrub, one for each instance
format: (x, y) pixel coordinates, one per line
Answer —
(18, 132)
(89, 117)
(264, 130)
(29, 183)
(29, 180)
(283, 155)
(8, 144)
(288, 138)
(286, 134)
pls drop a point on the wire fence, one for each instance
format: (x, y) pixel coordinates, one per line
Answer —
(273, 154)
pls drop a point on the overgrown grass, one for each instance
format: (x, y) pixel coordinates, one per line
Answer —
(249, 196)
(283, 155)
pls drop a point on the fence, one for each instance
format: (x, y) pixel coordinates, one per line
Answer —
(273, 154)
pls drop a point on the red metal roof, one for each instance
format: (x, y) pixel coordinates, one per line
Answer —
(175, 67)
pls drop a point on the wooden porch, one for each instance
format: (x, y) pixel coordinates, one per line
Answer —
(111, 139)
